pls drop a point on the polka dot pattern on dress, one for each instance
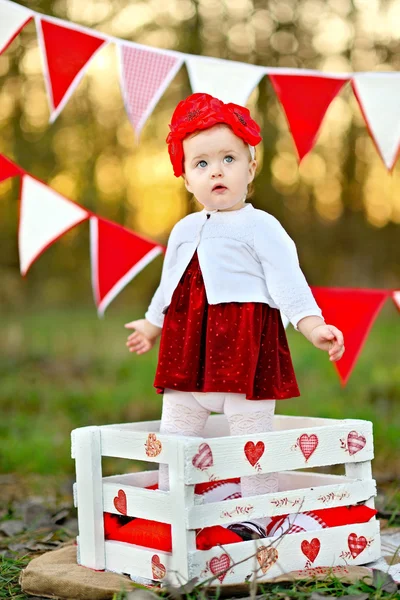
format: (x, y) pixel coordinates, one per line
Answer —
(231, 347)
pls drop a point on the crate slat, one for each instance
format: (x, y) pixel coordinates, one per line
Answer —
(283, 450)
(142, 503)
(333, 549)
(280, 503)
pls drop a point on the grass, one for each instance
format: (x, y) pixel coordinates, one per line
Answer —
(65, 369)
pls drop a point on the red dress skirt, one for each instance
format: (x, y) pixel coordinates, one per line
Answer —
(238, 347)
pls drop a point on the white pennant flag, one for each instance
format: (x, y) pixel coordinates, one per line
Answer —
(378, 95)
(227, 80)
(44, 216)
(13, 18)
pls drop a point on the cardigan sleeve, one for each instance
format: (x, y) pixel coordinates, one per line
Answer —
(154, 312)
(285, 280)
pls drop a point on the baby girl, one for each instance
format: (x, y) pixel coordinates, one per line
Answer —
(229, 270)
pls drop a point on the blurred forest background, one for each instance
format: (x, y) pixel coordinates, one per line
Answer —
(60, 366)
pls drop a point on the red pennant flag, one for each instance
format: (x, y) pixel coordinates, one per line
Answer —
(117, 255)
(353, 311)
(305, 100)
(396, 298)
(8, 168)
(66, 53)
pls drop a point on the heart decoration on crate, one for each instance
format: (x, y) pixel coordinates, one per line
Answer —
(204, 458)
(267, 557)
(308, 444)
(220, 564)
(356, 544)
(355, 442)
(157, 567)
(311, 549)
(120, 502)
(254, 452)
(152, 446)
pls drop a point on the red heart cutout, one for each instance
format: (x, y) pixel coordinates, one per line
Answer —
(254, 452)
(311, 549)
(355, 442)
(157, 568)
(308, 444)
(120, 502)
(356, 544)
(220, 564)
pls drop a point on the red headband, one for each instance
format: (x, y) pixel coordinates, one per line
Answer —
(201, 111)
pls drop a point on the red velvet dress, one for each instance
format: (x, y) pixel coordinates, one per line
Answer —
(238, 347)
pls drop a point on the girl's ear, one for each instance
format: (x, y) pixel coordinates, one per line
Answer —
(252, 170)
(187, 185)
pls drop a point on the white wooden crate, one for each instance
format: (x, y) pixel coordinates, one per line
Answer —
(295, 443)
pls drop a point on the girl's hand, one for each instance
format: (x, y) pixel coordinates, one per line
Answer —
(329, 338)
(144, 337)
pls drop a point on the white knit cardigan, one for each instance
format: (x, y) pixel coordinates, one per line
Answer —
(245, 255)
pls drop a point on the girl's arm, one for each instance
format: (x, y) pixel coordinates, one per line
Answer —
(289, 288)
(147, 330)
(284, 278)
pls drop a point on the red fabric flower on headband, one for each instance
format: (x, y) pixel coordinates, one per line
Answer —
(201, 111)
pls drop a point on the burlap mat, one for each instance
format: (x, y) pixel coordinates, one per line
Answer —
(56, 574)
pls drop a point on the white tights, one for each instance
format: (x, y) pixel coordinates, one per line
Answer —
(186, 413)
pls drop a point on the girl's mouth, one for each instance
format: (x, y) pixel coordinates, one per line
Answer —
(219, 189)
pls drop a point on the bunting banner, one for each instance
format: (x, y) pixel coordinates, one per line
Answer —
(378, 95)
(227, 80)
(145, 73)
(44, 216)
(66, 54)
(305, 100)
(8, 169)
(353, 311)
(13, 18)
(144, 76)
(117, 255)
(396, 299)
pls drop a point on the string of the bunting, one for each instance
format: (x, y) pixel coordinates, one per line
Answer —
(145, 72)
(117, 254)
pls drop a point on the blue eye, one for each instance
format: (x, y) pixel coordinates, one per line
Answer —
(201, 161)
(229, 156)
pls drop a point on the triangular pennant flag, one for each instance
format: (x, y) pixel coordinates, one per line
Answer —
(66, 53)
(305, 100)
(13, 18)
(44, 216)
(378, 95)
(396, 298)
(8, 168)
(353, 311)
(117, 255)
(144, 76)
(228, 80)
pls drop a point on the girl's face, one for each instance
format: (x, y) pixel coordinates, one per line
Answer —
(218, 167)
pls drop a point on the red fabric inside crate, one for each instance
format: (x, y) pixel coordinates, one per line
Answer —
(157, 535)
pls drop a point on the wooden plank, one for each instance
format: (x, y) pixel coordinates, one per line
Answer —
(182, 499)
(87, 452)
(285, 502)
(136, 560)
(281, 451)
(137, 445)
(138, 479)
(138, 502)
(307, 551)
